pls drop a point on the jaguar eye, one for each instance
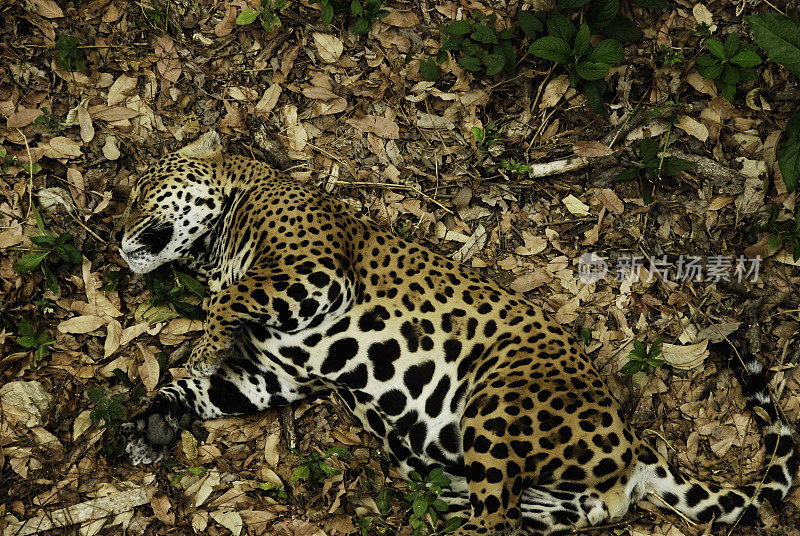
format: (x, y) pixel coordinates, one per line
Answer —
(156, 237)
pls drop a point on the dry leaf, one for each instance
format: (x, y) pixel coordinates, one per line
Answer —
(110, 149)
(268, 100)
(48, 9)
(401, 19)
(703, 15)
(85, 122)
(22, 117)
(381, 126)
(329, 47)
(62, 147)
(271, 454)
(149, 369)
(189, 444)
(161, 505)
(81, 324)
(693, 127)
(591, 149)
(611, 201)
(684, 357)
(576, 206)
(530, 281)
(81, 423)
(471, 246)
(555, 89)
(720, 202)
(121, 88)
(113, 338)
(229, 519)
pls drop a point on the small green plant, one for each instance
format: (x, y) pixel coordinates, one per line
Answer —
(604, 16)
(38, 342)
(405, 228)
(369, 525)
(49, 121)
(366, 12)
(267, 12)
(587, 65)
(108, 414)
(275, 490)
(377, 486)
(485, 137)
(196, 470)
(585, 334)
(48, 248)
(110, 281)
(515, 167)
(6, 161)
(787, 234)
(669, 56)
(172, 291)
(329, 7)
(649, 166)
(643, 360)
(702, 30)
(728, 64)
(69, 56)
(158, 17)
(46, 306)
(479, 48)
(426, 506)
(313, 468)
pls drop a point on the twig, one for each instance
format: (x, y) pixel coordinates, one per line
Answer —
(30, 172)
(709, 168)
(390, 186)
(557, 167)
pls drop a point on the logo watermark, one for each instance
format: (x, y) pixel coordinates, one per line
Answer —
(683, 268)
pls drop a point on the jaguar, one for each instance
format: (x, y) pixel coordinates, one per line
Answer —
(442, 364)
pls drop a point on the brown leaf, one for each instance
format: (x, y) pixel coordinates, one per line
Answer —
(22, 117)
(591, 149)
(81, 324)
(161, 505)
(121, 88)
(329, 47)
(48, 9)
(401, 19)
(149, 369)
(381, 126)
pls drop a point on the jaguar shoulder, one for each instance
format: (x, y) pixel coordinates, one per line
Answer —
(443, 365)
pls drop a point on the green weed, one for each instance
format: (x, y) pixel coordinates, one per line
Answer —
(643, 360)
(587, 65)
(68, 55)
(648, 166)
(47, 249)
(313, 468)
(728, 64)
(267, 12)
(426, 506)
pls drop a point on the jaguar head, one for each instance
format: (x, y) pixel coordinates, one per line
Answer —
(172, 204)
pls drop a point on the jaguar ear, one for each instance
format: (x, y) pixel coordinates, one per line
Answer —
(206, 146)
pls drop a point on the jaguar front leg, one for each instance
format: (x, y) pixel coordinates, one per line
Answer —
(240, 386)
(284, 302)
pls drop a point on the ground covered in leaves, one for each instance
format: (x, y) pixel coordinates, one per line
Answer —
(512, 173)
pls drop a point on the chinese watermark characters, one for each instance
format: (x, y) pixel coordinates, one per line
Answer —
(683, 268)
